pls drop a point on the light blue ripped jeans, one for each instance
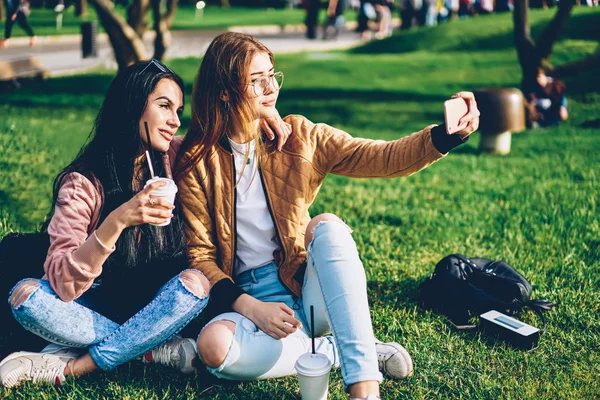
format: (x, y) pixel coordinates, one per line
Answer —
(76, 324)
(335, 284)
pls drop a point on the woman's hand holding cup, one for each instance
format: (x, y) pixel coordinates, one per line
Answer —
(143, 208)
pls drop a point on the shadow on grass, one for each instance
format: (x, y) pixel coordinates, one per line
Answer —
(443, 37)
(60, 91)
(403, 293)
(466, 150)
(592, 123)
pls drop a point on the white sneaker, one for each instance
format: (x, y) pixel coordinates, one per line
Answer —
(60, 350)
(34, 367)
(178, 352)
(394, 360)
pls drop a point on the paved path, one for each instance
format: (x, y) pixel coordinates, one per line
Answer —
(62, 55)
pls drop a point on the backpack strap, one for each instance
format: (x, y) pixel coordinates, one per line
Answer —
(540, 307)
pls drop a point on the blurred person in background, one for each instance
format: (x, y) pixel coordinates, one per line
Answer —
(366, 13)
(17, 11)
(335, 18)
(311, 21)
(430, 7)
(384, 10)
(409, 13)
(546, 100)
(483, 7)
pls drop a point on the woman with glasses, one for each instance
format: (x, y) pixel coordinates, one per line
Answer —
(113, 288)
(245, 206)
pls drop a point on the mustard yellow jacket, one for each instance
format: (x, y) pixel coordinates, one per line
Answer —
(291, 179)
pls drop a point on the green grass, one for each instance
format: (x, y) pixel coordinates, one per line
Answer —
(536, 208)
(43, 20)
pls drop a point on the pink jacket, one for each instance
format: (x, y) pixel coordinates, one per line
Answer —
(76, 255)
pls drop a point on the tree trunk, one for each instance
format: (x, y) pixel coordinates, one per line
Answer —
(534, 55)
(552, 31)
(136, 16)
(2, 12)
(81, 8)
(225, 4)
(526, 51)
(162, 26)
(127, 45)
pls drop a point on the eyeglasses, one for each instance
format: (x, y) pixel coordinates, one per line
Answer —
(261, 85)
(160, 66)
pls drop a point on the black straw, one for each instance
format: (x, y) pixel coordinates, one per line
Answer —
(312, 328)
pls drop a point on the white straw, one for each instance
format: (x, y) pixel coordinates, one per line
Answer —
(147, 152)
(149, 163)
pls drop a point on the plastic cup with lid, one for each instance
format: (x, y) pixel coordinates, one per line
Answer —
(166, 192)
(313, 375)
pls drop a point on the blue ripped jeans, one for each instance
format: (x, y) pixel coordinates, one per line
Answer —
(76, 324)
(335, 284)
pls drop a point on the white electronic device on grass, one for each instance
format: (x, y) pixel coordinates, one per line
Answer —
(518, 333)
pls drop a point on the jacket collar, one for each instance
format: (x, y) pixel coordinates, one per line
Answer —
(225, 145)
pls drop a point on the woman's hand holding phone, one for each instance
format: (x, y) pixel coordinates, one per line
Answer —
(461, 114)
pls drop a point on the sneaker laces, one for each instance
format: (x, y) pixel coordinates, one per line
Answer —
(53, 375)
(167, 353)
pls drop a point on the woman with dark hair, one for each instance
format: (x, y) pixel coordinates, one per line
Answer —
(113, 282)
(248, 228)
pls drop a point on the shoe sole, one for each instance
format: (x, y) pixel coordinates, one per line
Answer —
(11, 357)
(406, 357)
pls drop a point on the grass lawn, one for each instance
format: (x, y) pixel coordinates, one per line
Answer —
(43, 21)
(536, 208)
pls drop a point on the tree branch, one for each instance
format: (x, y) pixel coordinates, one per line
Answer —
(136, 16)
(553, 29)
(170, 14)
(526, 49)
(127, 45)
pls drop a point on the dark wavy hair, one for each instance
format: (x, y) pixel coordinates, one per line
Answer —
(108, 160)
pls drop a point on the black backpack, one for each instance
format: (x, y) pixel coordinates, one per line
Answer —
(22, 255)
(462, 288)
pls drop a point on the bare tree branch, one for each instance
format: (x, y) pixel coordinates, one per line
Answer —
(553, 29)
(81, 8)
(170, 14)
(136, 16)
(127, 45)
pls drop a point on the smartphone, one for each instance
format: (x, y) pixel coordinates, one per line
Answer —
(454, 110)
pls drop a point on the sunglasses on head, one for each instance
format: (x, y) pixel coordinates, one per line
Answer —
(160, 66)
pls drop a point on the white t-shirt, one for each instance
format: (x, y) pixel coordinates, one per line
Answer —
(256, 235)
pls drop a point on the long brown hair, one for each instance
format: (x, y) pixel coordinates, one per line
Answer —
(224, 69)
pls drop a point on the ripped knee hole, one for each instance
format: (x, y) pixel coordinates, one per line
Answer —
(22, 292)
(195, 282)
